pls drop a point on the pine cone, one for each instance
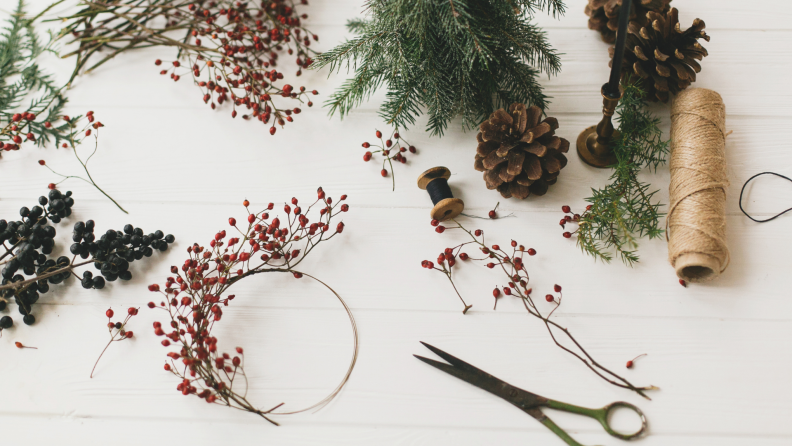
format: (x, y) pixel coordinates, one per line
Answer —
(518, 154)
(604, 14)
(662, 55)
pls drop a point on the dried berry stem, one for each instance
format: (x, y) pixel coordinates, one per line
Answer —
(512, 265)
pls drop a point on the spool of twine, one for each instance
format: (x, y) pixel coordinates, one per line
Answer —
(696, 221)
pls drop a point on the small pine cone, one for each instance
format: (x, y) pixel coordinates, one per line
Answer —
(518, 154)
(662, 55)
(604, 14)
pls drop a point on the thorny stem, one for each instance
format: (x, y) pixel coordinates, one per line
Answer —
(505, 262)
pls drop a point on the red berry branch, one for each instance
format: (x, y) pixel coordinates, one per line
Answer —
(510, 261)
(75, 137)
(118, 331)
(392, 149)
(195, 296)
(231, 48)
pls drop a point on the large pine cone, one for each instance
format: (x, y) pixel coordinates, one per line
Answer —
(518, 154)
(662, 55)
(604, 14)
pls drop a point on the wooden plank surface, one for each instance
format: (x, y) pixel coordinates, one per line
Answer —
(720, 352)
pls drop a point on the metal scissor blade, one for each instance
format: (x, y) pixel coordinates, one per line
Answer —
(481, 379)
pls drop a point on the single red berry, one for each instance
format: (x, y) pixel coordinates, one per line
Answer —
(412, 149)
(154, 287)
(440, 229)
(514, 244)
(51, 186)
(496, 247)
(366, 145)
(129, 334)
(109, 313)
(245, 203)
(434, 222)
(549, 298)
(567, 235)
(531, 252)
(478, 232)
(490, 265)
(557, 288)
(344, 207)
(492, 214)
(232, 221)
(683, 283)
(379, 134)
(42, 162)
(588, 208)
(629, 364)
(132, 311)
(157, 62)
(507, 291)
(151, 305)
(566, 209)
(384, 173)
(496, 293)
(463, 256)
(272, 130)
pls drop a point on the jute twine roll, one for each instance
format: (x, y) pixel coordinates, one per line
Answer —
(696, 222)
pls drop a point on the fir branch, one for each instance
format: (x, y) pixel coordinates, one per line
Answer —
(445, 58)
(626, 209)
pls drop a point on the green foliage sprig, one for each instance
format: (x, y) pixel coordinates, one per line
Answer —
(455, 57)
(625, 209)
(30, 100)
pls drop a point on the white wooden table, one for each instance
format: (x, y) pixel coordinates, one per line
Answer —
(720, 352)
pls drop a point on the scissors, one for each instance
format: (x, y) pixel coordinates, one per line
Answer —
(528, 402)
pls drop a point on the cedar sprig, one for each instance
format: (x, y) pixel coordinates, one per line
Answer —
(626, 209)
(510, 261)
(462, 57)
(30, 100)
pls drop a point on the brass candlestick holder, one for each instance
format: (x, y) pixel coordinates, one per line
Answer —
(595, 144)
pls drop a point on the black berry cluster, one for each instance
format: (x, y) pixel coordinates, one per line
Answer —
(114, 250)
(26, 246)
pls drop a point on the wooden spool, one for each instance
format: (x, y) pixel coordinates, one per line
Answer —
(445, 206)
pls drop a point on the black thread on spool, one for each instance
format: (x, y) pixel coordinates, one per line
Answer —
(439, 190)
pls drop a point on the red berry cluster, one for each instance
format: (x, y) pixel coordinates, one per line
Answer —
(118, 331)
(23, 128)
(570, 217)
(196, 293)
(233, 52)
(392, 149)
(510, 262)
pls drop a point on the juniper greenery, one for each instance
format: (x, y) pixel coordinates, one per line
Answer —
(450, 58)
(626, 209)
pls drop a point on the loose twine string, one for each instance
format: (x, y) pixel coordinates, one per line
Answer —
(696, 222)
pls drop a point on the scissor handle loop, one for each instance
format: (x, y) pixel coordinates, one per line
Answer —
(603, 415)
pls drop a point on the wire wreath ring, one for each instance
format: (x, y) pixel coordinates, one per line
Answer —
(195, 297)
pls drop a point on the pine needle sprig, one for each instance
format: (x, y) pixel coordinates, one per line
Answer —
(30, 99)
(462, 58)
(626, 209)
